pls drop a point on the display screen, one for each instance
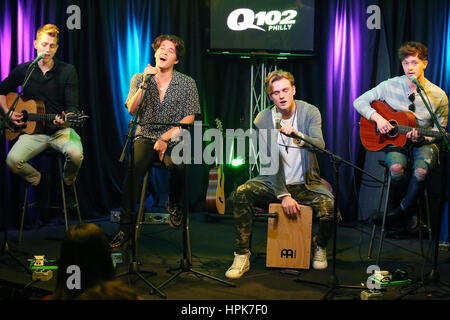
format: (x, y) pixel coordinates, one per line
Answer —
(283, 25)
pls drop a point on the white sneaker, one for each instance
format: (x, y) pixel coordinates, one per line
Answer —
(320, 258)
(241, 265)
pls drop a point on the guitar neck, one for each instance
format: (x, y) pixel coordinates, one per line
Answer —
(421, 131)
(41, 117)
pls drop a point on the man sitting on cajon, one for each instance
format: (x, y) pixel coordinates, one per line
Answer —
(297, 179)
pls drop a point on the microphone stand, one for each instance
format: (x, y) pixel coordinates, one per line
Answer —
(333, 283)
(433, 116)
(133, 268)
(3, 126)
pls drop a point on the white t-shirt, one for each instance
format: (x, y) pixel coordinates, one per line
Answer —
(290, 154)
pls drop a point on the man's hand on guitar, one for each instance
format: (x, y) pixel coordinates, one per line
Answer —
(383, 125)
(16, 118)
(60, 120)
(413, 135)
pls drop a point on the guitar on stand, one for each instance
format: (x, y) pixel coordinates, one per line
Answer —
(34, 115)
(403, 123)
(215, 195)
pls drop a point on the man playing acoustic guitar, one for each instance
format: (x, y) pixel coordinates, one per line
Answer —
(401, 95)
(56, 84)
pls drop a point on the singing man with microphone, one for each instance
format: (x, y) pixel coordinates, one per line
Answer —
(401, 94)
(56, 84)
(172, 98)
(296, 181)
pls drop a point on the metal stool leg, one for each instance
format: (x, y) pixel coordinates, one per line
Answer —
(63, 194)
(374, 227)
(24, 209)
(427, 209)
(76, 201)
(384, 220)
(140, 212)
(420, 222)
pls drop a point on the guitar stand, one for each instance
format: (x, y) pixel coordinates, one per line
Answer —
(186, 262)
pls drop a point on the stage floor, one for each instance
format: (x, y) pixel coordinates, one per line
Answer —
(212, 243)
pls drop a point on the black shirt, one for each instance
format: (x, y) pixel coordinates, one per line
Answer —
(58, 88)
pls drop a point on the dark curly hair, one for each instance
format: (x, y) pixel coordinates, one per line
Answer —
(177, 41)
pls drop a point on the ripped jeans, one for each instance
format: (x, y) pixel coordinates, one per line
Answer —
(423, 159)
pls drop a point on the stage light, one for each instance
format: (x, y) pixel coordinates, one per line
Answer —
(237, 162)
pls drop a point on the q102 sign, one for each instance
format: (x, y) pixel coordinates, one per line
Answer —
(283, 25)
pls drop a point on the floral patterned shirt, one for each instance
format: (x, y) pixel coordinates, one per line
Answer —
(180, 100)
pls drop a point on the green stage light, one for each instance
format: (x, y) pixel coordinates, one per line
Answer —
(237, 162)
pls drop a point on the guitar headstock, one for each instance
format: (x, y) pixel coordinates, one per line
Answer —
(76, 119)
(219, 125)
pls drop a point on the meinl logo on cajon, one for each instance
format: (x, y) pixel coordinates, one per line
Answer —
(288, 253)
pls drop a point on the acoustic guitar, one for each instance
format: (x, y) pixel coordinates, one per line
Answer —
(215, 196)
(403, 123)
(34, 116)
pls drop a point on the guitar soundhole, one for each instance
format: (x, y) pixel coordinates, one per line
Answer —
(394, 132)
(25, 116)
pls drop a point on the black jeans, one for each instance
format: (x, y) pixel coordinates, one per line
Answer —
(144, 157)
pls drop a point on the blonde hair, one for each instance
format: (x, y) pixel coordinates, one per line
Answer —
(275, 76)
(49, 29)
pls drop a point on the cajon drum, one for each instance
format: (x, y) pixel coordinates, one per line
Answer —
(289, 240)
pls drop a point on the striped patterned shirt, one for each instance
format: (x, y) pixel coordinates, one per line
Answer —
(395, 92)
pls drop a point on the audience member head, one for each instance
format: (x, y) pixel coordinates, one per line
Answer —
(86, 247)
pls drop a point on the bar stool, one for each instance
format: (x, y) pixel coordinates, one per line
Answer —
(387, 186)
(140, 216)
(60, 158)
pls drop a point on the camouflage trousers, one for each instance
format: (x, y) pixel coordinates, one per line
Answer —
(256, 194)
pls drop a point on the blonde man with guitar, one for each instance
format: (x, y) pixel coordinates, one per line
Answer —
(383, 109)
(50, 95)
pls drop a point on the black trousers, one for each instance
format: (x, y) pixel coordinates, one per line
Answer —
(144, 157)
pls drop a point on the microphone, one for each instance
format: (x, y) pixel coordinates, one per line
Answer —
(414, 80)
(148, 78)
(294, 135)
(39, 57)
(277, 118)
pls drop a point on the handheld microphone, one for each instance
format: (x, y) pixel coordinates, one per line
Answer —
(414, 80)
(277, 118)
(39, 57)
(148, 78)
